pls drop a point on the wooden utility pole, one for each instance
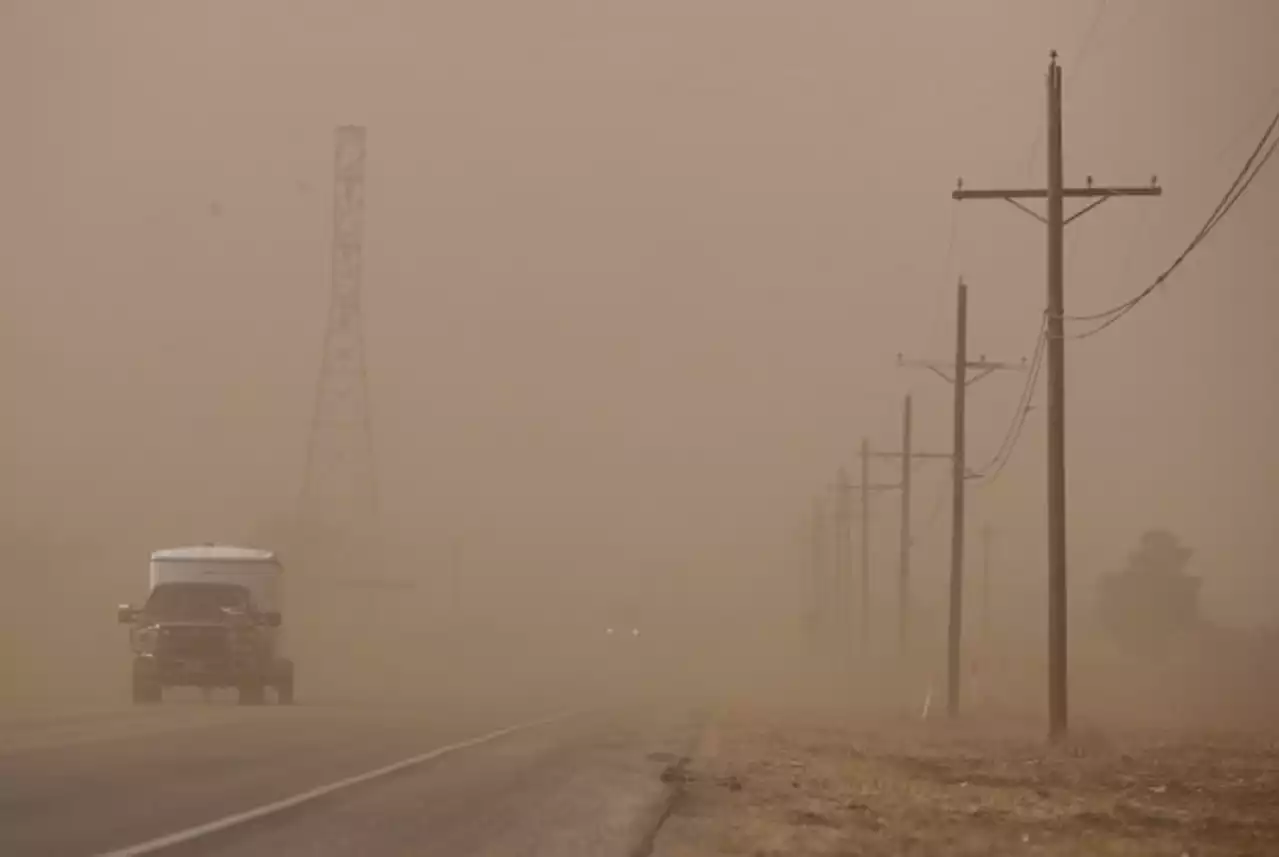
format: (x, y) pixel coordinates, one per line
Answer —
(1054, 194)
(959, 380)
(844, 489)
(907, 456)
(904, 532)
(955, 614)
(455, 578)
(817, 566)
(986, 590)
(864, 606)
(826, 583)
(842, 550)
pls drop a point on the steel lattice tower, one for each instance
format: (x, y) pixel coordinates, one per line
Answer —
(340, 485)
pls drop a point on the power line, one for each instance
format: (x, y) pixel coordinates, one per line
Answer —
(954, 239)
(951, 239)
(1077, 62)
(1238, 187)
(1013, 434)
(1023, 412)
(989, 471)
(1220, 210)
(1204, 159)
(939, 503)
(1124, 309)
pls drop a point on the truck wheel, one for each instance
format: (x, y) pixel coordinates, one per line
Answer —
(146, 689)
(284, 684)
(252, 693)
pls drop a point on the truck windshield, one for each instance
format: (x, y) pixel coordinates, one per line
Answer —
(195, 600)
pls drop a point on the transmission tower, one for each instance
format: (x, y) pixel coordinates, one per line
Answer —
(339, 490)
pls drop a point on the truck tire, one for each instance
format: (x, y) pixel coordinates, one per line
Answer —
(252, 693)
(284, 683)
(146, 688)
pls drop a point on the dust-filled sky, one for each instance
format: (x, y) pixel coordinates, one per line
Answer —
(636, 272)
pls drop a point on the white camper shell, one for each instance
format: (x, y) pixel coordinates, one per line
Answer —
(259, 571)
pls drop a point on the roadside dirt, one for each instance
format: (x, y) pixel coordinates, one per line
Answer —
(807, 787)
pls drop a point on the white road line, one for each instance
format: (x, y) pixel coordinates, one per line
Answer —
(151, 846)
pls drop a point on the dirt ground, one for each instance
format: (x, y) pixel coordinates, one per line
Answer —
(772, 787)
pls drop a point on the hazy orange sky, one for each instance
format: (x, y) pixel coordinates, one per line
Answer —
(636, 272)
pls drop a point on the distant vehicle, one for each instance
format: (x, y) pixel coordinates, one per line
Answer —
(624, 623)
(212, 619)
(610, 631)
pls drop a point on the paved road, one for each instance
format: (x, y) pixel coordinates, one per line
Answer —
(95, 782)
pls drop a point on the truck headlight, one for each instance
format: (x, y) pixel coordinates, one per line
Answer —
(147, 639)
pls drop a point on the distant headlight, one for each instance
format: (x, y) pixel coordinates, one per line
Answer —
(635, 632)
(608, 630)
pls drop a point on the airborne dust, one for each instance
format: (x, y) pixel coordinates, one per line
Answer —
(635, 277)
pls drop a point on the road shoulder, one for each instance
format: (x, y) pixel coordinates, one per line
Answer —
(818, 786)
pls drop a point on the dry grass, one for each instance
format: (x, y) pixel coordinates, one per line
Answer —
(800, 788)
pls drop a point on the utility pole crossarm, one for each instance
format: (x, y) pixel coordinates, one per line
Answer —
(985, 365)
(872, 486)
(1099, 195)
(912, 454)
(908, 363)
(937, 367)
(1087, 192)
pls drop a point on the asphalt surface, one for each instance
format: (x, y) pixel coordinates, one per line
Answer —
(94, 782)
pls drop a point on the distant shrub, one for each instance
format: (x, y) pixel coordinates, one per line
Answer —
(1152, 601)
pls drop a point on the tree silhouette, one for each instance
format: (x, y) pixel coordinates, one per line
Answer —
(1153, 599)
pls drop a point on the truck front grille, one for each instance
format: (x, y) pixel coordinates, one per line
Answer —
(192, 643)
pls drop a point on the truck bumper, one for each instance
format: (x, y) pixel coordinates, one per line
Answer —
(196, 673)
